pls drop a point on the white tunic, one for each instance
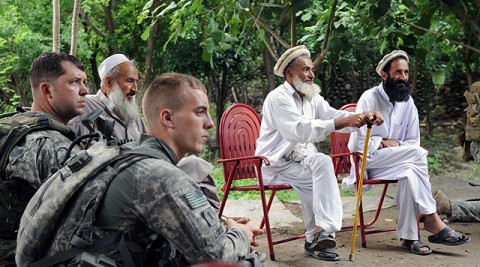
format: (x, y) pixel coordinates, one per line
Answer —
(406, 163)
(287, 121)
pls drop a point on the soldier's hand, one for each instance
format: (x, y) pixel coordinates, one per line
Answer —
(251, 231)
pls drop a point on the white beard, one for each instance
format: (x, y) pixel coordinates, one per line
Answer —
(127, 109)
(308, 89)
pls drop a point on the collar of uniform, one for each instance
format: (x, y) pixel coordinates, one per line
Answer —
(156, 143)
(107, 102)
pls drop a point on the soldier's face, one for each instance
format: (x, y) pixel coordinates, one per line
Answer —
(67, 94)
(192, 122)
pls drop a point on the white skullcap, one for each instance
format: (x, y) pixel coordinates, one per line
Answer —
(109, 63)
(388, 57)
(288, 56)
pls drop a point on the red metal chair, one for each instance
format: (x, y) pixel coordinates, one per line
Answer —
(342, 164)
(238, 131)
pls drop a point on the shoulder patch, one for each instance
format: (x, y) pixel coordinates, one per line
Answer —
(196, 199)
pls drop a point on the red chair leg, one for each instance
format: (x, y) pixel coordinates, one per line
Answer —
(266, 221)
(362, 225)
(379, 206)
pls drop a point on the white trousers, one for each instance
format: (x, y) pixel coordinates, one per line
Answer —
(408, 165)
(314, 180)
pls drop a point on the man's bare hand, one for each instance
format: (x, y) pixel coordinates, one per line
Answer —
(388, 143)
(374, 117)
(358, 120)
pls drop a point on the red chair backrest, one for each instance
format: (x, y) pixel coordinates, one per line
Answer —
(338, 146)
(238, 132)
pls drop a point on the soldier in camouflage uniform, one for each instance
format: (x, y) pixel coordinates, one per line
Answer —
(58, 90)
(172, 220)
(457, 210)
(465, 210)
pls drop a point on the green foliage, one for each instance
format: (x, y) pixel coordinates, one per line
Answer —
(440, 154)
(435, 163)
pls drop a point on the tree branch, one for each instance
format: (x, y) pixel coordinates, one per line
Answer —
(273, 33)
(462, 14)
(441, 35)
(88, 22)
(321, 56)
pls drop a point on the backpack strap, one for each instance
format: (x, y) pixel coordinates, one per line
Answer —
(74, 251)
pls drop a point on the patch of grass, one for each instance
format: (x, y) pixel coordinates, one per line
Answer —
(475, 171)
(440, 146)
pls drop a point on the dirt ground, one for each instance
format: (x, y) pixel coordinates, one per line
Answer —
(383, 249)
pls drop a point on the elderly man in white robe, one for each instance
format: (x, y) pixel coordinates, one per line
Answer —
(295, 116)
(394, 153)
(116, 98)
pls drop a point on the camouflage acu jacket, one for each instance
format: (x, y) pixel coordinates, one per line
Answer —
(158, 199)
(31, 162)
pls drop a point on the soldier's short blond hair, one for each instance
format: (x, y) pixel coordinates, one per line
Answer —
(168, 91)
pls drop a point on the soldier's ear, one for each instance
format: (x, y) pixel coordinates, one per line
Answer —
(46, 88)
(166, 118)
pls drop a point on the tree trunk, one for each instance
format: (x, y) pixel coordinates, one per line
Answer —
(147, 72)
(93, 65)
(269, 64)
(415, 75)
(73, 43)
(56, 26)
(110, 26)
(293, 30)
(466, 61)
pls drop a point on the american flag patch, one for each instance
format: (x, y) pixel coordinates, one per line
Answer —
(196, 199)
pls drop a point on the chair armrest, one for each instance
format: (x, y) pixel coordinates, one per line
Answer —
(260, 158)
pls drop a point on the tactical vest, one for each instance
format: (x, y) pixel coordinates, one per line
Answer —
(472, 127)
(14, 194)
(61, 214)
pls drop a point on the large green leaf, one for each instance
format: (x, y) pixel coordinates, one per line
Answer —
(209, 45)
(438, 77)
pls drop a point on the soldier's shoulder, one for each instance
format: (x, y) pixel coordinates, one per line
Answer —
(159, 171)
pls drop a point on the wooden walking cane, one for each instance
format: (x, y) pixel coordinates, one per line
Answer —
(360, 189)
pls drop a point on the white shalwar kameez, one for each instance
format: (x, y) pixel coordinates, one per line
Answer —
(288, 121)
(406, 163)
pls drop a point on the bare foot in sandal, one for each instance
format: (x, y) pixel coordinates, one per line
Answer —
(416, 247)
(448, 236)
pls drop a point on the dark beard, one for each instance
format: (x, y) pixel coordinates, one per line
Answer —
(397, 90)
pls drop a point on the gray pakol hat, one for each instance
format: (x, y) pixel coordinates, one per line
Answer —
(388, 57)
(288, 56)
